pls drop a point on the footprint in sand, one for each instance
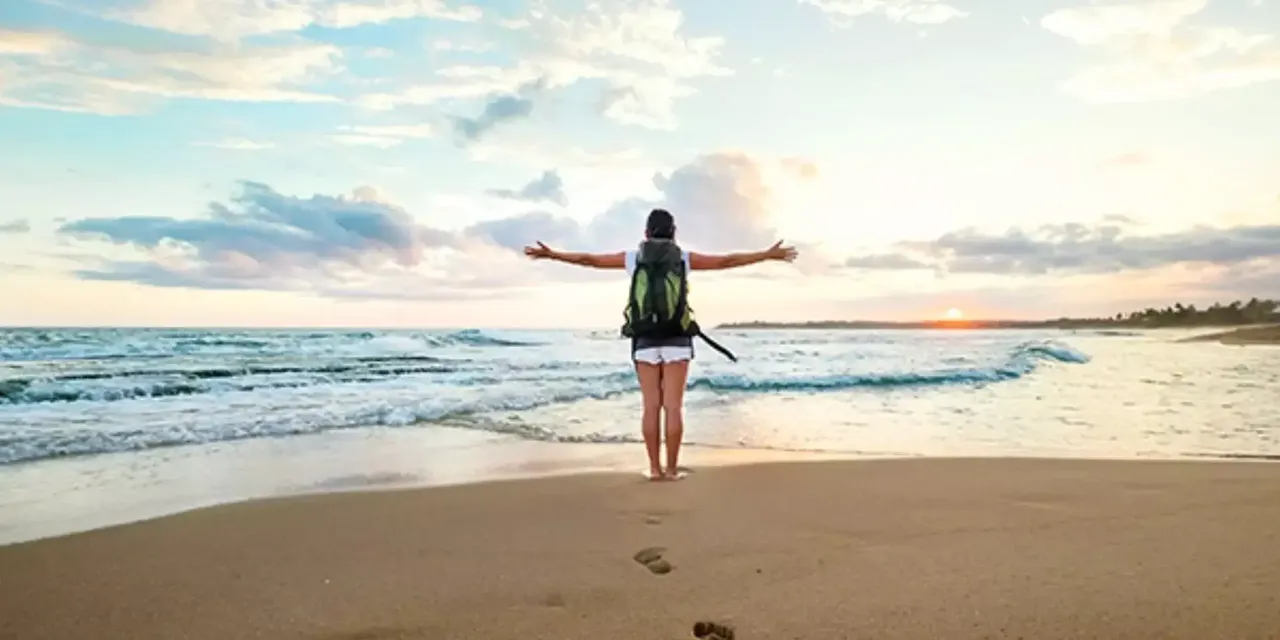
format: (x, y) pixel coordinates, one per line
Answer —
(651, 558)
(712, 631)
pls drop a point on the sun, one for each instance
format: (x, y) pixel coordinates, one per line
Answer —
(954, 314)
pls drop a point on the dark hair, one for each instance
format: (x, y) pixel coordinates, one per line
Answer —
(660, 225)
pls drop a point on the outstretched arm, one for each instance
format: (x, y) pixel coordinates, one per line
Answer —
(705, 262)
(541, 251)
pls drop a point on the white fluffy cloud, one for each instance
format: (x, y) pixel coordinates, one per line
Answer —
(637, 48)
(843, 13)
(237, 144)
(1078, 248)
(234, 19)
(15, 227)
(56, 72)
(31, 43)
(365, 246)
(720, 201)
(1153, 52)
(382, 136)
(636, 53)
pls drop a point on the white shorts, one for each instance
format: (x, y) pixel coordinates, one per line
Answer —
(659, 355)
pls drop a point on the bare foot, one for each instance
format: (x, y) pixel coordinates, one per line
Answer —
(657, 475)
(674, 475)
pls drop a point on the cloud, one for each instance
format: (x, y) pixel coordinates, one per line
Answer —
(236, 19)
(363, 246)
(357, 12)
(458, 82)
(843, 13)
(382, 136)
(266, 237)
(237, 144)
(157, 275)
(642, 103)
(549, 187)
(15, 227)
(121, 79)
(1075, 248)
(635, 54)
(497, 111)
(1152, 53)
(521, 230)
(31, 43)
(887, 261)
(635, 50)
(720, 202)
(1112, 23)
(1260, 278)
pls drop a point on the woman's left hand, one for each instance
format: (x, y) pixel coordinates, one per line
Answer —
(539, 251)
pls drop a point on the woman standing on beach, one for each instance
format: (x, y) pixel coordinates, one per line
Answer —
(661, 349)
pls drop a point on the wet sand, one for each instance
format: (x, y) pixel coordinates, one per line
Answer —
(1269, 334)
(855, 549)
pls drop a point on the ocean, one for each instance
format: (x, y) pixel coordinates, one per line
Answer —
(99, 426)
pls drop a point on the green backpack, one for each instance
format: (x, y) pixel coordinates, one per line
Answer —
(658, 300)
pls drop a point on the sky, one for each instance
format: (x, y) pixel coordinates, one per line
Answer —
(382, 162)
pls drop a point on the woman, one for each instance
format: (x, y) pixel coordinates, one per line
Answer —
(662, 364)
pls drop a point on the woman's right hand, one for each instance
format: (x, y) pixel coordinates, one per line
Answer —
(779, 252)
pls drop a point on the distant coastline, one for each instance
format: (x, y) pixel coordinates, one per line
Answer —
(921, 324)
(1253, 313)
(1068, 323)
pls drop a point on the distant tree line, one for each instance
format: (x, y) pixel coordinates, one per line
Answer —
(1255, 311)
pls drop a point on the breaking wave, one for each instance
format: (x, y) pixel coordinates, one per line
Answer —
(139, 408)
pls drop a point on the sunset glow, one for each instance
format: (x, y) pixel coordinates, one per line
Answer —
(954, 314)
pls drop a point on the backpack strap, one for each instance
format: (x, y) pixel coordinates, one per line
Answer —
(682, 295)
(715, 345)
(628, 311)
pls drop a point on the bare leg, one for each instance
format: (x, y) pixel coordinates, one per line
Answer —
(650, 376)
(674, 375)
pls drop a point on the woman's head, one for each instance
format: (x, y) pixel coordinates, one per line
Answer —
(660, 225)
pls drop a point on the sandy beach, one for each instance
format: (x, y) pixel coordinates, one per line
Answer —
(852, 549)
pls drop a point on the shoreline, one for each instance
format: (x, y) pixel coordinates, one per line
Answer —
(591, 474)
(275, 468)
(918, 548)
(477, 457)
